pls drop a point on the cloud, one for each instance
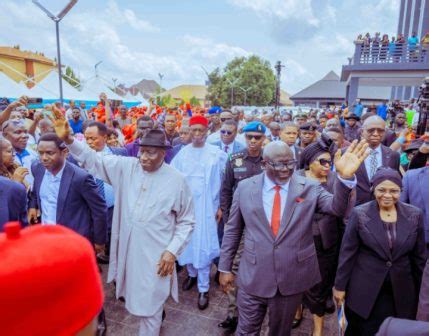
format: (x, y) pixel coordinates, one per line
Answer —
(127, 16)
(281, 9)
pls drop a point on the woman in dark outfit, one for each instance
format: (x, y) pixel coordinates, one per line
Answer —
(316, 161)
(381, 259)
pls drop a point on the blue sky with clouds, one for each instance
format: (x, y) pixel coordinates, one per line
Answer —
(139, 39)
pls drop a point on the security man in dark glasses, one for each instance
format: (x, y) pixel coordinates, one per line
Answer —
(241, 165)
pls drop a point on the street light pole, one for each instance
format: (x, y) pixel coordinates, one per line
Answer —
(245, 93)
(60, 75)
(232, 83)
(278, 67)
(57, 19)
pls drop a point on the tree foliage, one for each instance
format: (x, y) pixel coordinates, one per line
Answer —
(71, 77)
(252, 72)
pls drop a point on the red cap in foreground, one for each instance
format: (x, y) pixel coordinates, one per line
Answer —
(49, 281)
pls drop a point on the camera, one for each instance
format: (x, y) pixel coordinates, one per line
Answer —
(423, 123)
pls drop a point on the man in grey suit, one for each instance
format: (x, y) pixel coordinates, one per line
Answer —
(415, 191)
(279, 262)
(228, 142)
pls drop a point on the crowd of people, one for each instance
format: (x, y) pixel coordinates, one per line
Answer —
(326, 210)
(381, 48)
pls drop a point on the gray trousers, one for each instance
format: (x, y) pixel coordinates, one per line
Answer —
(232, 293)
(252, 310)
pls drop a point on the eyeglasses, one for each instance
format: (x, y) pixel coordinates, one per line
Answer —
(283, 165)
(324, 162)
(393, 192)
(256, 137)
(225, 119)
(373, 130)
(225, 132)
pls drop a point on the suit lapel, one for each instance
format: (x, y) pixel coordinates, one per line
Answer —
(296, 187)
(66, 179)
(258, 204)
(385, 156)
(38, 178)
(376, 228)
(402, 228)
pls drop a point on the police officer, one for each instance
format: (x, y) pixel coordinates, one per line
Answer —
(307, 134)
(240, 166)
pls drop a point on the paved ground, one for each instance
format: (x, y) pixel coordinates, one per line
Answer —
(185, 318)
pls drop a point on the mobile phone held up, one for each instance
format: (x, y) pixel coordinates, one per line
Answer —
(33, 101)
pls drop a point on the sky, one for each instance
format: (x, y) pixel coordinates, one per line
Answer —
(138, 39)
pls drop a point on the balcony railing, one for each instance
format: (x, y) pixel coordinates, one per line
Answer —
(389, 54)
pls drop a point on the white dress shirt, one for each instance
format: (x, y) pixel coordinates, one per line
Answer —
(268, 193)
(369, 158)
(49, 190)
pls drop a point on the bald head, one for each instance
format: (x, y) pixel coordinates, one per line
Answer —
(374, 120)
(276, 150)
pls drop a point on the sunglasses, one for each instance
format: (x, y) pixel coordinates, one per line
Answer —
(256, 137)
(373, 130)
(283, 165)
(324, 162)
(225, 132)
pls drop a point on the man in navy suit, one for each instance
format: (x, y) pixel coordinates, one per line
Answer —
(416, 192)
(13, 202)
(66, 194)
(227, 142)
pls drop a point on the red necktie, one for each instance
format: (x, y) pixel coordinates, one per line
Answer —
(275, 217)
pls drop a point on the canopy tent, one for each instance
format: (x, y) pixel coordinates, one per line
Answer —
(48, 89)
(92, 87)
(10, 89)
(143, 101)
(129, 98)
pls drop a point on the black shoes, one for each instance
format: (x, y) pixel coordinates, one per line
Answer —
(203, 300)
(189, 283)
(230, 324)
(103, 259)
(296, 322)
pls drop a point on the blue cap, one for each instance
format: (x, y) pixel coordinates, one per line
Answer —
(255, 126)
(215, 110)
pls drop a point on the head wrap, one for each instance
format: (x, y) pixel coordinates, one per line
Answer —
(199, 120)
(386, 174)
(312, 151)
(255, 126)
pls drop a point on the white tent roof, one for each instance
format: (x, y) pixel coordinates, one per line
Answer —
(93, 86)
(144, 102)
(129, 98)
(48, 88)
(9, 88)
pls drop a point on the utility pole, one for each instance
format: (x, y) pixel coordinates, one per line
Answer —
(57, 19)
(278, 68)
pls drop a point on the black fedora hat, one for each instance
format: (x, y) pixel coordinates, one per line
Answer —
(353, 116)
(155, 138)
